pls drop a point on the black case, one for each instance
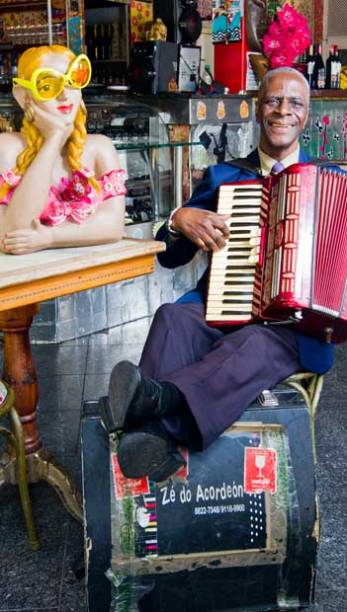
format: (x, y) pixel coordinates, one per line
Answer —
(243, 572)
(153, 67)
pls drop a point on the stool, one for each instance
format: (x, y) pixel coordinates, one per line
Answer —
(310, 386)
(16, 440)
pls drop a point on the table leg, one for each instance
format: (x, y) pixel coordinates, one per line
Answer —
(20, 373)
(19, 369)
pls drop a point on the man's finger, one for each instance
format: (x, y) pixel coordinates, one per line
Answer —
(219, 239)
(221, 224)
(210, 243)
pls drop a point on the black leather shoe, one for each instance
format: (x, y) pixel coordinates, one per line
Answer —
(149, 451)
(133, 399)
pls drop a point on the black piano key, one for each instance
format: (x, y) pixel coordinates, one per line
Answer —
(235, 312)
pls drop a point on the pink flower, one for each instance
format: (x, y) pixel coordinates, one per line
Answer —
(287, 37)
(271, 44)
(75, 189)
(79, 211)
(279, 60)
(54, 213)
(287, 17)
(113, 184)
(11, 178)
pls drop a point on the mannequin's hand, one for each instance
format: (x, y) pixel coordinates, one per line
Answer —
(21, 242)
(52, 126)
(208, 230)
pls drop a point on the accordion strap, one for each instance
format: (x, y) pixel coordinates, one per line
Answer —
(245, 164)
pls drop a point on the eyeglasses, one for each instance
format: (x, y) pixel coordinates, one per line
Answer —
(47, 83)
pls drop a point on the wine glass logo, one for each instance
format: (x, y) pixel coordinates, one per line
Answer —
(260, 463)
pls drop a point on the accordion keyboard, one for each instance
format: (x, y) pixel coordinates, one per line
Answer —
(233, 283)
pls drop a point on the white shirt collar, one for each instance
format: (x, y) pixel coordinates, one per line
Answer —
(266, 162)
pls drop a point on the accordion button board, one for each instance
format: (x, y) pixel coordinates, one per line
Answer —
(233, 268)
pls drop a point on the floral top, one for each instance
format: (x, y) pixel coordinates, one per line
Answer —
(75, 198)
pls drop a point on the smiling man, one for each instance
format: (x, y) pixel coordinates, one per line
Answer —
(193, 380)
(282, 112)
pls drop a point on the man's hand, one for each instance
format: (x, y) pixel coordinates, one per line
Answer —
(22, 242)
(208, 230)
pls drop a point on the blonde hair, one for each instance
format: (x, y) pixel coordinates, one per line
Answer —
(29, 61)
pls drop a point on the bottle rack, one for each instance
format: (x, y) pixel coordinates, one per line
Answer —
(107, 40)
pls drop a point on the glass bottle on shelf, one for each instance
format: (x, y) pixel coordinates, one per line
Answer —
(330, 68)
(336, 77)
(310, 66)
(95, 44)
(319, 68)
(102, 52)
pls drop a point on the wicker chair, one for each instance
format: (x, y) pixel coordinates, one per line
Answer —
(310, 386)
(15, 440)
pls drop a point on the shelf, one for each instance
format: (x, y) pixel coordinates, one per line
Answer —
(328, 94)
(319, 94)
(23, 6)
(109, 61)
(133, 145)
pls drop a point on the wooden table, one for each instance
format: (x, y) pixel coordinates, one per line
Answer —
(27, 280)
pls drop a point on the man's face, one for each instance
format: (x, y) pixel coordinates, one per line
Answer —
(282, 113)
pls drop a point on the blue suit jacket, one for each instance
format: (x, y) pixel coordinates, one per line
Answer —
(314, 355)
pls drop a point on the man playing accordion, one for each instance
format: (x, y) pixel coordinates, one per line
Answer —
(194, 380)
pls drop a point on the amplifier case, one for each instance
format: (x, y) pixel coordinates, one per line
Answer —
(153, 67)
(200, 543)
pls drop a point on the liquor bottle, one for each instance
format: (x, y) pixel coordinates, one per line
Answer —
(319, 69)
(96, 53)
(102, 47)
(108, 35)
(336, 76)
(89, 42)
(310, 66)
(330, 69)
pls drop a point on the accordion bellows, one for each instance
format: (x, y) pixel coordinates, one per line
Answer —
(286, 257)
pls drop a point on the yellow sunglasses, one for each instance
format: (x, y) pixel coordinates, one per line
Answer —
(47, 83)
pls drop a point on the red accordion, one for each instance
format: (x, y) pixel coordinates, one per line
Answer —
(286, 256)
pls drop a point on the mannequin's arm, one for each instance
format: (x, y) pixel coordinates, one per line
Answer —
(105, 225)
(30, 195)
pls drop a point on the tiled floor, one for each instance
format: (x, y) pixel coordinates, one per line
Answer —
(78, 370)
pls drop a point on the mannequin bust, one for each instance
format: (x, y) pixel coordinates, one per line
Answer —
(59, 187)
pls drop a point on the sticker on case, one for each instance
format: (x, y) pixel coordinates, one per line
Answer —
(123, 486)
(260, 470)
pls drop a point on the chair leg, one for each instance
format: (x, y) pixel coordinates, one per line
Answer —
(22, 480)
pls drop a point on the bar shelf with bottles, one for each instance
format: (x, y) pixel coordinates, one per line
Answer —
(22, 5)
(323, 76)
(107, 42)
(23, 24)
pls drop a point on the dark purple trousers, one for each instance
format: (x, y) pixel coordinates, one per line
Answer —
(218, 373)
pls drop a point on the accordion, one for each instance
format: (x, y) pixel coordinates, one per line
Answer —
(286, 256)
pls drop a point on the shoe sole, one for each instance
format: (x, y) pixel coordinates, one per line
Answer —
(143, 454)
(124, 380)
